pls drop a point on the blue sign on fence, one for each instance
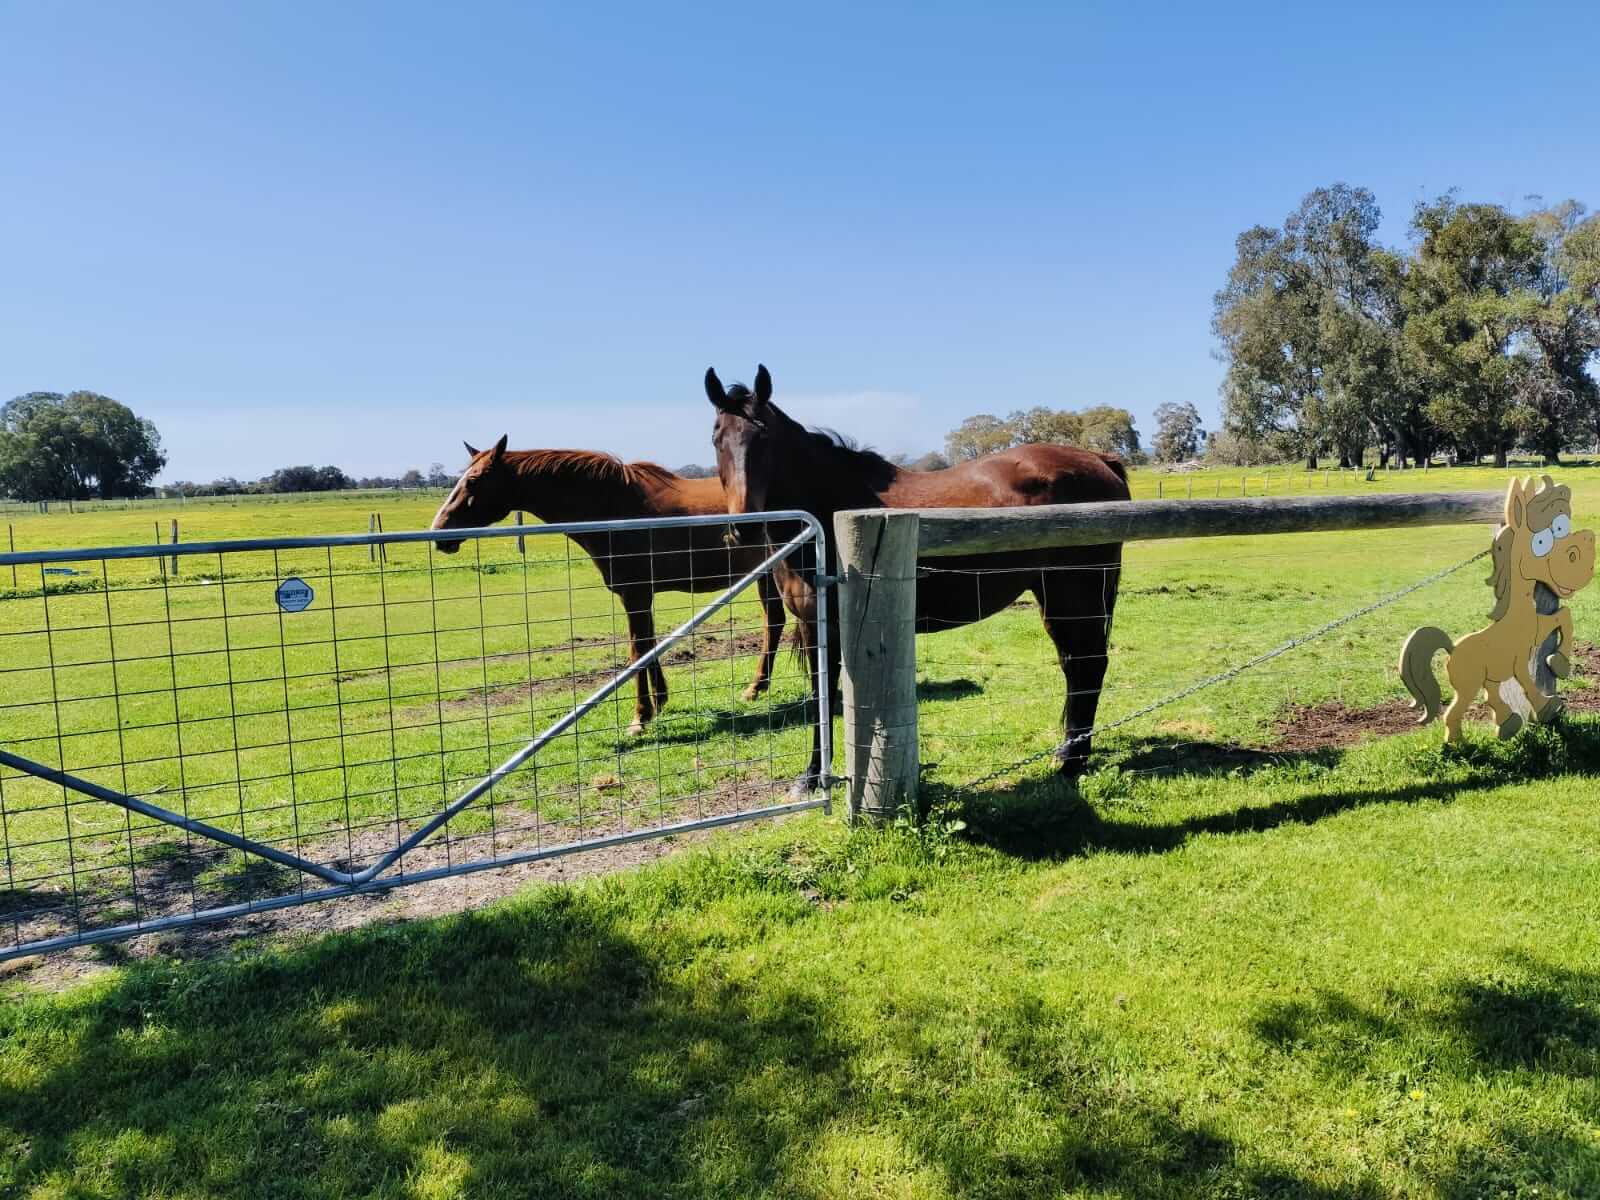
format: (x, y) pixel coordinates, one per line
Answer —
(294, 595)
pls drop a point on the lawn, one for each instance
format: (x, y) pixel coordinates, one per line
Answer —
(1210, 970)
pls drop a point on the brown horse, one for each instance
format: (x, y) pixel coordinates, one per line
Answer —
(583, 485)
(768, 461)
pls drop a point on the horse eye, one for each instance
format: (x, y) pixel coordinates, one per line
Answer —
(1543, 542)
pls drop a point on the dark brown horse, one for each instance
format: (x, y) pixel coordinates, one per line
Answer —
(582, 485)
(768, 461)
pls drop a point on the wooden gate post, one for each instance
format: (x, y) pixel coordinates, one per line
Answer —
(877, 631)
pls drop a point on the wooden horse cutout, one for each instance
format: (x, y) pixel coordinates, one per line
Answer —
(1535, 545)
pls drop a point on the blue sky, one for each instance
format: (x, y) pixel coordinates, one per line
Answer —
(358, 234)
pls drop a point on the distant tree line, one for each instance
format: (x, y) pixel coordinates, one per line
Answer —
(311, 479)
(1479, 339)
(1104, 428)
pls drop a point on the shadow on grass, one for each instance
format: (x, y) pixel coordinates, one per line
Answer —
(948, 689)
(1523, 1019)
(1171, 756)
(693, 726)
(1050, 819)
(540, 1048)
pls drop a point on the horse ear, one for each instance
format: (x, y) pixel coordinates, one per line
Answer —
(499, 450)
(763, 386)
(472, 450)
(717, 394)
(1514, 504)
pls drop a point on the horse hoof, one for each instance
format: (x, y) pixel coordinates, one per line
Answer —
(1073, 768)
(636, 728)
(753, 692)
(1511, 726)
(802, 788)
(1550, 710)
(1559, 665)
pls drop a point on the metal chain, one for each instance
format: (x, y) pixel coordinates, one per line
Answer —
(1231, 673)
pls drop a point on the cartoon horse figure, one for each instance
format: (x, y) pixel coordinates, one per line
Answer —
(1535, 545)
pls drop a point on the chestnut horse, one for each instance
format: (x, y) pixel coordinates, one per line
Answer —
(584, 485)
(769, 461)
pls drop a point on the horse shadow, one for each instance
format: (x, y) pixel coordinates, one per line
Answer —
(696, 724)
(1052, 818)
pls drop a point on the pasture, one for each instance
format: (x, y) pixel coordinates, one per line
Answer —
(1245, 957)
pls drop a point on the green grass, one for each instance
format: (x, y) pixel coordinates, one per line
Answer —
(1332, 974)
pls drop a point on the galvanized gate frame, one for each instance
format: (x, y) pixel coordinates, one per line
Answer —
(373, 878)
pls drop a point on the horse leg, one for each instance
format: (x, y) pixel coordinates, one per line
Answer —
(804, 601)
(772, 607)
(1077, 616)
(1546, 708)
(1506, 718)
(1466, 690)
(641, 640)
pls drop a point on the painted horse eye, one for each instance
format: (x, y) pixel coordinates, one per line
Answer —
(1543, 542)
(1561, 526)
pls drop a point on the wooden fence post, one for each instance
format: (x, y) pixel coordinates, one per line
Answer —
(11, 539)
(877, 630)
(174, 542)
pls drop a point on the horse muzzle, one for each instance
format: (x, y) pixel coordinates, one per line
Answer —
(1571, 564)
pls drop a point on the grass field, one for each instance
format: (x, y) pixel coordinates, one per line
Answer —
(1293, 972)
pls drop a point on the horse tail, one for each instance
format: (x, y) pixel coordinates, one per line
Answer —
(800, 645)
(1416, 669)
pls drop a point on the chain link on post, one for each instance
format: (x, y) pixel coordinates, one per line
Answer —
(1224, 676)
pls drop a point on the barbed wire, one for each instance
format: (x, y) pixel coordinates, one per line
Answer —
(1233, 672)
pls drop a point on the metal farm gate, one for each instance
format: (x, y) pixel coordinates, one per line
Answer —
(197, 732)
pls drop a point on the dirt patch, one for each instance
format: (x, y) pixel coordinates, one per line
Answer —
(1332, 726)
(259, 880)
(710, 648)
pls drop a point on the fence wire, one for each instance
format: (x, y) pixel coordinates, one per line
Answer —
(334, 733)
(985, 696)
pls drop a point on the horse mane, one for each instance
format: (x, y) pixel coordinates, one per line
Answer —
(595, 465)
(1502, 556)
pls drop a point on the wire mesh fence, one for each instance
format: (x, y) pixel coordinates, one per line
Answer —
(994, 694)
(303, 711)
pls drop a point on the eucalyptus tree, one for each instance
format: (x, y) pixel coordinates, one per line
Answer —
(1470, 292)
(1310, 324)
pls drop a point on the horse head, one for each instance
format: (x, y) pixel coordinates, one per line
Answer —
(1537, 543)
(481, 496)
(745, 438)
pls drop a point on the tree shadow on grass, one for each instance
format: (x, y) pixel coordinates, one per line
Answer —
(1049, 818)
(1500, 1030)
(543, 1048)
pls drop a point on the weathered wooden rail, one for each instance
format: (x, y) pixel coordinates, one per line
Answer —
(878, 551)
